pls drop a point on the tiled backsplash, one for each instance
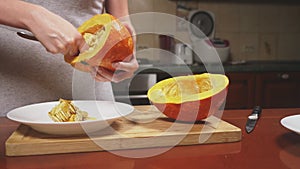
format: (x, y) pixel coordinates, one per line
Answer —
(256, 31)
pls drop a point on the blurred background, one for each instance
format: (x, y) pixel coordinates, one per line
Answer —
(257, 42)
(256, 30)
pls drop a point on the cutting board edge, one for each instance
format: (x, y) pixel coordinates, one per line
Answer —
(90, 146)
(17, 145)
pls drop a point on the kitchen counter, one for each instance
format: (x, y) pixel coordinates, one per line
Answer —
(249, 66)
(270, 145)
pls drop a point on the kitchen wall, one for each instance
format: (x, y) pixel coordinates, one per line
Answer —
(257, 30)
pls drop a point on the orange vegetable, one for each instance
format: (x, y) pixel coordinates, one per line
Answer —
(109, 41)
(189, 98)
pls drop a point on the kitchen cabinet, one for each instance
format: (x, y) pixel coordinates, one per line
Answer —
(240, 91)
(278, 89)
(269, 90)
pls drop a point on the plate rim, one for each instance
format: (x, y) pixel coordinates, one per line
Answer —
(9, 114)
(283, 123)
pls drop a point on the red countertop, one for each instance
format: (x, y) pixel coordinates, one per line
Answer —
(270, 145)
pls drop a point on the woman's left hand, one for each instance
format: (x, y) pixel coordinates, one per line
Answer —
(124, 70)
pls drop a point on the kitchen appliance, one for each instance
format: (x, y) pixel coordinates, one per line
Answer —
(207, 48)
(211, 50)
(134, 90)
(202, 24)
(184, 52)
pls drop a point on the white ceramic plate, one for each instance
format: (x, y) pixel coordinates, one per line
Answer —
(292, 123)
(103, 112)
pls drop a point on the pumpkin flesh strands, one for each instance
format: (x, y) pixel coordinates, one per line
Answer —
(65, 111)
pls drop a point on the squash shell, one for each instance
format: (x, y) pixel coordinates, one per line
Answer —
(116, 44)
(193, 106)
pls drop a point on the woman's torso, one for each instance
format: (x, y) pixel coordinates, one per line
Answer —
(29, 74)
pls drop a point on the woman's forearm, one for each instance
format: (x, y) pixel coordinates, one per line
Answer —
(117, 8)
(16, 13)
(55, 33)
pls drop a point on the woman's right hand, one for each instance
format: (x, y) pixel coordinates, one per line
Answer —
(55, 33)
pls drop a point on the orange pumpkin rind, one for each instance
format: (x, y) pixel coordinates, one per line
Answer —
(189, 98)
(109, 41)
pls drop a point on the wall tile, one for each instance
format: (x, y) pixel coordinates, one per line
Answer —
(249, 46)
(289, 18)
(288, 46)
(136, 6)
(268, 46)
(269, 18)
(229, 17)
(211, 6)
(141, 22)
(165, 6)
(234, 41)
(249, 18)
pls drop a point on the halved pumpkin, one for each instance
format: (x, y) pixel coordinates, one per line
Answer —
(109, 41)
(189, 98)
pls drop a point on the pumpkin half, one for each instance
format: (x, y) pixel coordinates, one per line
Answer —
(109, 41)
(189, 98)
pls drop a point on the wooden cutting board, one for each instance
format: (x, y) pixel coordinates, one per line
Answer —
(146, 127)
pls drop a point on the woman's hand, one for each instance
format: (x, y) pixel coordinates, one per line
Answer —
(55, 33)
(124, 70)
